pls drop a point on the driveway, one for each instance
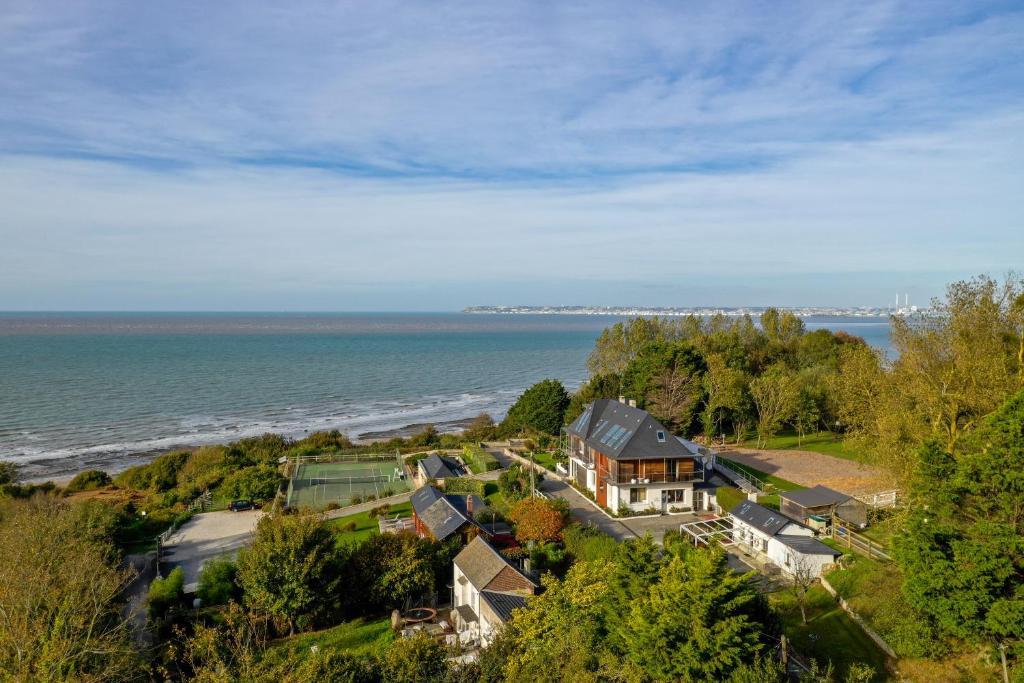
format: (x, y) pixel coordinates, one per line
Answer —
(205, 536)
(584, 511)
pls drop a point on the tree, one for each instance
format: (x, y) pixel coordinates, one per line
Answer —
(560, 635)
(165, 593)
(697, 622)
(724, 390)
(801, 579)
(254, 483)
(60, 610)
(619, 344)
(597, 387)
(806, 415)
(954, 366)
(482, 428)
(538, 519)
(290, 573)
(541, 408)
(774, 394)
(217, 585)
(414, 660)
(962, 552)
(391, 570)
(669, 382)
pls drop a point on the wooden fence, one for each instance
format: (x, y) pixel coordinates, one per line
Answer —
(846, 537)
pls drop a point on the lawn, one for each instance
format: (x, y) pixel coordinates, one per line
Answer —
(829, 635)
(356, 637)
(820, 442)
(494, 498)
(545, 459)
(366, 526)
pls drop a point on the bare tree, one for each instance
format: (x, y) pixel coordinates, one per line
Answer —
(802, 578)
(676, 392)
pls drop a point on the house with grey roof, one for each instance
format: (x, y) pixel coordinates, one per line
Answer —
(630, 461)
(486, 589)
(439, 468)
(816, 505)
(439, 516)
(790, 545)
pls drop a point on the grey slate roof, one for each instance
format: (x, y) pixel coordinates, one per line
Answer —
(767, 520)
(443, 515)
(437, 467)
(480, 563)
(805, 545)
(624, 433)
(503, 603)
(817, 496)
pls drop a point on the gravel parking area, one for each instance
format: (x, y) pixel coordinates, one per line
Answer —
(808, 469)
(205, 536)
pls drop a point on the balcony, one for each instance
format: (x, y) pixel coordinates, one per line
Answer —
(653, 478)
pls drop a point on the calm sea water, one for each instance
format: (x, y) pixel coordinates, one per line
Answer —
(103, 390)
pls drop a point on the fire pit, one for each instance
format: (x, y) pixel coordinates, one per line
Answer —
(419, 615)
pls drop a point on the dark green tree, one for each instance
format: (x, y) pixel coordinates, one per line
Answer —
(540, 408)
(962, 552)
(698, 622)
(599, 386)
(290, 573)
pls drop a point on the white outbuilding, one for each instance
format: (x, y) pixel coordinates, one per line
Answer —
(786, 543)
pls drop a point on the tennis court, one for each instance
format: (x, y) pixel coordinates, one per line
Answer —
(318, 484)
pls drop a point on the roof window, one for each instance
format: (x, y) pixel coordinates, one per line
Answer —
(661, 436)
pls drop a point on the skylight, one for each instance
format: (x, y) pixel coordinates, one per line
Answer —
(661, 436)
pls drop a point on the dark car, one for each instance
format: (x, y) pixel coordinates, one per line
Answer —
(241, 505)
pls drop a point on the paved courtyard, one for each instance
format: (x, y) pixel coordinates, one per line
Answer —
(205, 536)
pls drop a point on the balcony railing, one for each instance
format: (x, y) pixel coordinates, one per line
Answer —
(654, 478)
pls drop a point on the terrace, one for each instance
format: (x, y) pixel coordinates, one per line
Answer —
(663, 471)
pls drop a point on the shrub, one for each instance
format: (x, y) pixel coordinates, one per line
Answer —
(355, 500)
(380, 511)
(8, 472)
(165, 593)
(349, 527)
(88, 480)
(158, 476)
(586, 542)
(254, 483)
(333, 505)
(217, 582)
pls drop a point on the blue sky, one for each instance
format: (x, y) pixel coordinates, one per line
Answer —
(429, 156)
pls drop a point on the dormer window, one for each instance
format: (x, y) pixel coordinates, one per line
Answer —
(661, 436)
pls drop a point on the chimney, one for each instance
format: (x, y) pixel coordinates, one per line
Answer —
(622, 399)
(632, 403)
(469, 504)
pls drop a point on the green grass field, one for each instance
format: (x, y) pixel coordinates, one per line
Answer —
(356, 637)
(826, 443)
(366, 526)
(829, 635)
(545, 459)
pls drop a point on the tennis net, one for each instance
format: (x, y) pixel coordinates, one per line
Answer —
(376, 479)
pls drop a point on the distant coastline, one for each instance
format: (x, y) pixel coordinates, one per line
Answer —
(701, 311)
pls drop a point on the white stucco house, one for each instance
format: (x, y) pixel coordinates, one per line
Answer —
(786, 543)
(485, 591)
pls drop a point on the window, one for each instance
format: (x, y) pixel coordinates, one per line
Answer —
(675, 496)
(637, 495)
(661, 436)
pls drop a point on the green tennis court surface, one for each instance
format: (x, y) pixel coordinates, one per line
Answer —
(316, 485)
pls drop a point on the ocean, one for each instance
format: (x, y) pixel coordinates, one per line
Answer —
(106, 390)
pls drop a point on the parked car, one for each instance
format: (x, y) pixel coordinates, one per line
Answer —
(241, 505)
